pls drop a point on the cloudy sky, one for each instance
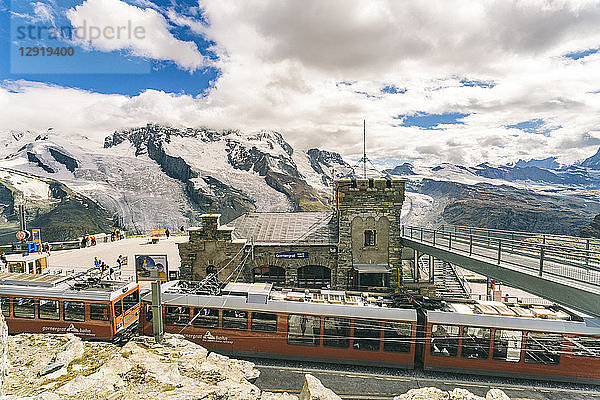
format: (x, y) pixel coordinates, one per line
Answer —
(437, 81)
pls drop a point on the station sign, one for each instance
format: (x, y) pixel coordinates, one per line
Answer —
(291, 254)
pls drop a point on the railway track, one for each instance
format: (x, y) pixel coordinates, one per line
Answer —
(362, 383)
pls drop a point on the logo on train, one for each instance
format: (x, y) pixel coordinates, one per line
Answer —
(209, 337)
(70, 329)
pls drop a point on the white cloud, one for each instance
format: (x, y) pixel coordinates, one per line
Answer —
(281, 64)
(110, 25)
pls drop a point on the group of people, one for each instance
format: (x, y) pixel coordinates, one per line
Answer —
(88, 240)
(116, 234)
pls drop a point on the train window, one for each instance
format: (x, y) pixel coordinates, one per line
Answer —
(336, 332)
(586, 346)
(24, 308)
(543, 348)
(444, 340)
(207, 318)
(235, 320)
(264, 322)
(118, 308)
(6, 306)
(366, 334)
(99, 312)
(73, 311)
(507, 345)
(178, 316)
(48, 309)
(397, 337)
(304, 329)
(131, 300)
(476, 342)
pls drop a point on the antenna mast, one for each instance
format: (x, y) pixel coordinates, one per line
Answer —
(364, 159)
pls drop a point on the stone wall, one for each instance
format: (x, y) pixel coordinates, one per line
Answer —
(370, 200)
(323, 255)
(211, 244)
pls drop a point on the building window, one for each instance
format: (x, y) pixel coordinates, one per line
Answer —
(304, 329)
(388, 183)
(206, 318)
(371, 184)
(444, 340)
(48, 309)
(268, 274)
(314, 276)
(99, 312)
(74, 311)
(370, 238)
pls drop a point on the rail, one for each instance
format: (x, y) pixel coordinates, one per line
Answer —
(546, 256)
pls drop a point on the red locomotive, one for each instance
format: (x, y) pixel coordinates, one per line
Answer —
(80, 304)
(488, 338)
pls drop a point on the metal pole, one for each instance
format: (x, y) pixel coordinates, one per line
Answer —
(470, 244)
(587, 252)
(541, 259)
(499, 250)
(434, 237)
(431, 269)
(157, 322)
(450, 240)
(365, 148)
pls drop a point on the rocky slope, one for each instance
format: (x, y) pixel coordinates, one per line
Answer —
(159, 176)
(53, 367)
(592, 230)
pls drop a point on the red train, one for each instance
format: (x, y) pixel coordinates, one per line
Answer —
(467, 337)
(89, 307)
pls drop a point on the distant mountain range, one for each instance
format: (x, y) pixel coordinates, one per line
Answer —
(158, 176)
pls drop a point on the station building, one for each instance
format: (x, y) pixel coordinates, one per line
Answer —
(354, 247)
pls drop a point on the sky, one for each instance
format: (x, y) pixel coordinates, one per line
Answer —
(436, 81)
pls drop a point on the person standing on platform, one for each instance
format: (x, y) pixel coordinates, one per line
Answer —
(167, 232)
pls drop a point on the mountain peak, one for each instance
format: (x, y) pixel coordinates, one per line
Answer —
(592, 162)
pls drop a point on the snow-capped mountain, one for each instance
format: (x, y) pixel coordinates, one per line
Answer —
(512, 197)
(159, 176)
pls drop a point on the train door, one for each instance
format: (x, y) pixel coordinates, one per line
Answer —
(118, 315)
(420, 338)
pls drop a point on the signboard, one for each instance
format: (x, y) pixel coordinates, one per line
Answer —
(123, 261)
(291, 254)
(151, 267)
(36, 235)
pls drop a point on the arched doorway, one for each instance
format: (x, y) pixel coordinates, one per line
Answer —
(314, 276)
(268, 274)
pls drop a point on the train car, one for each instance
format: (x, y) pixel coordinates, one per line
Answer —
(494, 338)
(321, 325)
(89, 308)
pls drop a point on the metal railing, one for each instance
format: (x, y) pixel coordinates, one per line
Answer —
(549, 255)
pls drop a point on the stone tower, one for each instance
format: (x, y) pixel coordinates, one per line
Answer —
(368, 212)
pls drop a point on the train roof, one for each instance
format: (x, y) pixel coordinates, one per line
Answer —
(513, 316)
(262, 298)
(60, 286)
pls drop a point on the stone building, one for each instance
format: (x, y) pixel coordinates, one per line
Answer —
(355, 246)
